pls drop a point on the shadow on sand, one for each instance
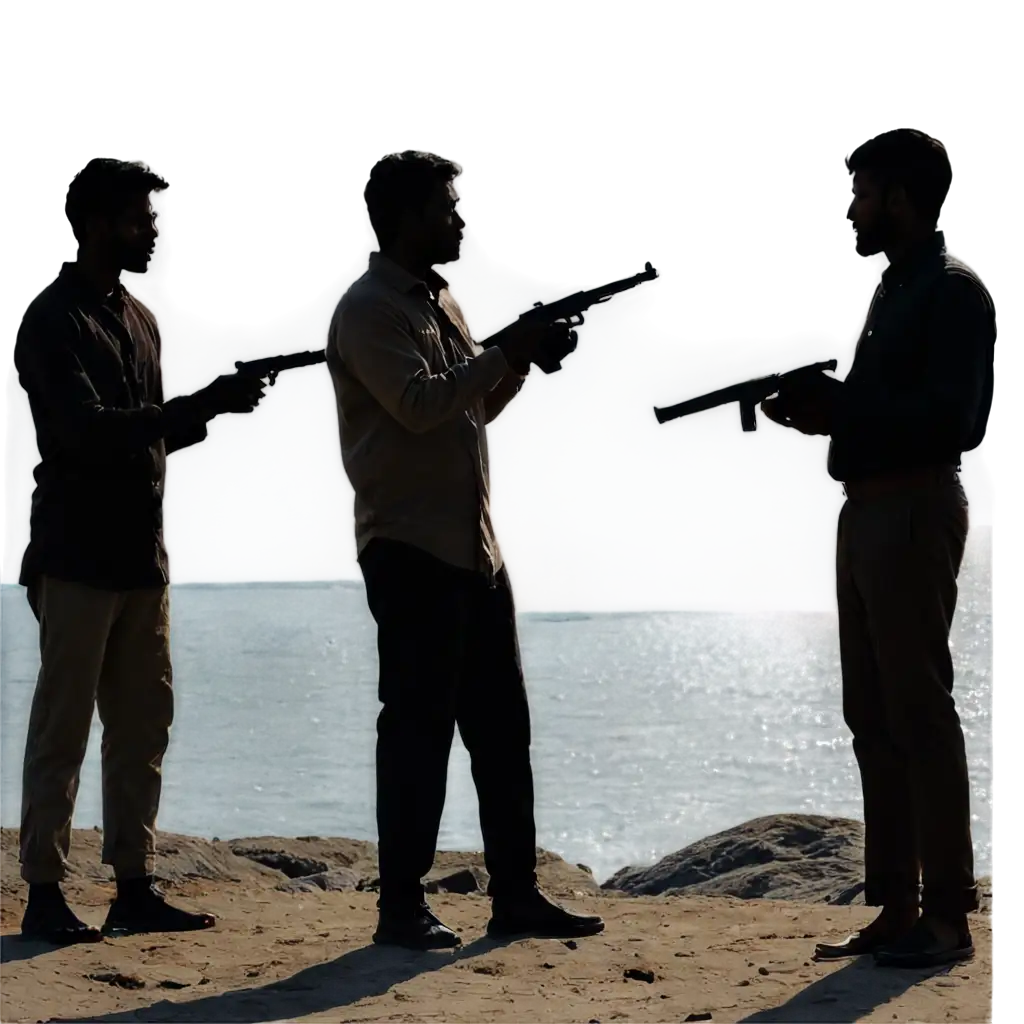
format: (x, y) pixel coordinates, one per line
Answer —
(14, 948)
(845, 996)
(359, 974)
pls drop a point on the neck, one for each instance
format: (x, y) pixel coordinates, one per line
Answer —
(899, 251)
(99, 272)
(408, 257)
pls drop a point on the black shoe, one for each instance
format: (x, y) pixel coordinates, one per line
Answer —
(145, 909)
(886, 929)
(533, 915)
(930, 943)
(48, 918)
(416, 929)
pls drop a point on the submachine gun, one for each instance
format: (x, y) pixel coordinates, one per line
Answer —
(749, 394)
(569, 309)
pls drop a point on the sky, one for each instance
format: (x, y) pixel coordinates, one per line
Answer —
(598, 508)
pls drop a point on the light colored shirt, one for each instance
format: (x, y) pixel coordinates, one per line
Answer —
(414, 394)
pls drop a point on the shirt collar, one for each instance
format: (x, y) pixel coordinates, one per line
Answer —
(400, 278)
(75, 280)
(918, 257)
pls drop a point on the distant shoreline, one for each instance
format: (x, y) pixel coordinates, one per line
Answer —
(356, 585)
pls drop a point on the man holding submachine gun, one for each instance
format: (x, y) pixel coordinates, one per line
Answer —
(917, 396)
(415, 392)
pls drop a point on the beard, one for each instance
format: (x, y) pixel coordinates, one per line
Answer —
(447, 253)
(872, 239)
(135, 261)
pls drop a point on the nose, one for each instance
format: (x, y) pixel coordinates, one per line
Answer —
(849, 212)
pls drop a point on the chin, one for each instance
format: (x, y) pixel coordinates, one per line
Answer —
(448, 257)
(865, 247)
(137, 266)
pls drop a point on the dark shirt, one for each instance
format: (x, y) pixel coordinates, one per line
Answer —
(91, 367)
(920, 388)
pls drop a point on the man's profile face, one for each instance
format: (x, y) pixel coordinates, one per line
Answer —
(129, 236)
(869, 214)
(442, 225)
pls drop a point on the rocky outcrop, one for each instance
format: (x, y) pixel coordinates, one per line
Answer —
(782, 856)
(302, 864)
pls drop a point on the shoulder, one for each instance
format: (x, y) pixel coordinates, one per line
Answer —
(369, 302)
(959, 283)
(50, 314)
(54, 302)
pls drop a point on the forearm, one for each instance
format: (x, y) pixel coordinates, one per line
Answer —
(189, 433)
(508, 387)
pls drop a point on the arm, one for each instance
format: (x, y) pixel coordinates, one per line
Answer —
(377, 346)
(945, 404)
(508, 387)
(51, 370)
(188, 433)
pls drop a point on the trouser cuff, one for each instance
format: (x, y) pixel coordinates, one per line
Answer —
(131, 866)
(950, 901)
(36, 874)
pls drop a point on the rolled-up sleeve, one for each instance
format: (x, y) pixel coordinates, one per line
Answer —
(376, 343)
(944, 406)
(51, 371)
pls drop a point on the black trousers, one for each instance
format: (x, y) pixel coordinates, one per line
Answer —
(449, 655)
(898, 560)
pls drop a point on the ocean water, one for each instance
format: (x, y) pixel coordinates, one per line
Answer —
(650, 730)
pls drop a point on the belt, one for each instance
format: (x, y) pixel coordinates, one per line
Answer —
(901, 480)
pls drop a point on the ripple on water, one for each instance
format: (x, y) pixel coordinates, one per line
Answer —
(649, 731)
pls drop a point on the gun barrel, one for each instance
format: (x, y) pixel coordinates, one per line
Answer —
(735, 393)
(275, 364)
(750, 391)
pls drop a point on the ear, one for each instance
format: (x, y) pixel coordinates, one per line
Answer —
(896, 201)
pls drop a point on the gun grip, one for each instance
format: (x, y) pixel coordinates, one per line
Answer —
(748, 416)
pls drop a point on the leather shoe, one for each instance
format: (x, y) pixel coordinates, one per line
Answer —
(932, 942)
(418, 929)
(534, 915)
(56, 923)
(885, 929)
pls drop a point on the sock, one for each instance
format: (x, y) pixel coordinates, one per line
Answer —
(134, 888)
(45, 892)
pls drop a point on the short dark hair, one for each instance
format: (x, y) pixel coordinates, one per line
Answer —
(105, 187)
(909, 158)
(401, 182)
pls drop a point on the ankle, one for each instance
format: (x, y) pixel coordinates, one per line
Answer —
(45, 892)
(135, 888)
(898, 914)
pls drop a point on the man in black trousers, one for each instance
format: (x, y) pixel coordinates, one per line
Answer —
(917, 397)
(415, 393)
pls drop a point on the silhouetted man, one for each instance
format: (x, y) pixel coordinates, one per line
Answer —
(88, 355)
(414, 394)
(917, 396)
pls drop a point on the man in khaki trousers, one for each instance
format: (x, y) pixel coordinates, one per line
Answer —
(88, 356)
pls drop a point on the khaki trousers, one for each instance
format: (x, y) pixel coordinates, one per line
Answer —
(898, 558)
(111, 650)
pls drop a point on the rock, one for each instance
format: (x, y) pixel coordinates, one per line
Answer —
(287, 863)
(118, 979)
(462, 882)
(783, 856)
(179, 858)
(638, 974)
(309, 854)
(697, 1016)
(335, 880)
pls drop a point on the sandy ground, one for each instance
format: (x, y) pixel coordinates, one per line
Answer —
(278, 956)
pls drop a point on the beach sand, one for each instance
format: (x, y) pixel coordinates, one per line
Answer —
(276, 955)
